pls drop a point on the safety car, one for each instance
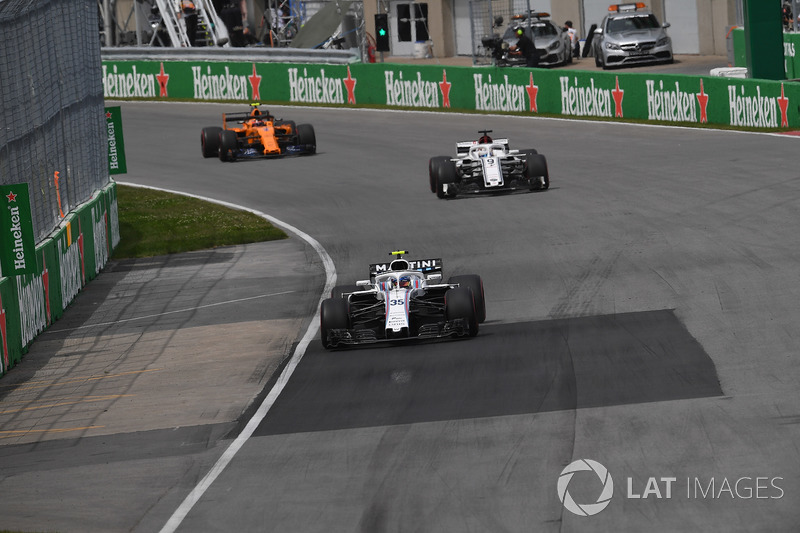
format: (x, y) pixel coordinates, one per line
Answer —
(487, 165)
(256, 134)
(402, 300)
(630, 34)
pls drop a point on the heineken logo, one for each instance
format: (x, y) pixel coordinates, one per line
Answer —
(415, 92)
(319, 89)
(673, 104)
(225, 86)
(500, 96)
(589, 101)
(18, 247)
(757, 110)
(132, 84)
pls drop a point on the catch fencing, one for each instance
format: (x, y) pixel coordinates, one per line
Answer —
(51, 105)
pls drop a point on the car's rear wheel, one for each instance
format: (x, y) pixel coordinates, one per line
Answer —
(459, 303)
(209, 141)
(333, 314)
(446, 176)
(536, 172)
(227, 145)
(306, 136)
(474, 283)
(433, 169)
(528, 151)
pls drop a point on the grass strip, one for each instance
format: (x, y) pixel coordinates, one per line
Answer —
(158, 223)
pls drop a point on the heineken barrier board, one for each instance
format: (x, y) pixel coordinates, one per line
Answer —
(521, 91)
(18, 241)
(64, 263)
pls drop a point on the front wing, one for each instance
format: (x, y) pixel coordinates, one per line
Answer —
(354, 337)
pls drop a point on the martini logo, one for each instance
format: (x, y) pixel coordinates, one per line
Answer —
(132, 84)
(587, 101)
(499, 96)
(32, 308)
(412, 93)
(320, 89)
(225, 86)
(70, 270)
(585, 509)
(672, 104)
(100, 239)
(756, 111)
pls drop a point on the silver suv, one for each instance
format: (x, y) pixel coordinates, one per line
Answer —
(630, 34)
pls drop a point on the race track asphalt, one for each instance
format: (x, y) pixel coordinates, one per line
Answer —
(640, 313)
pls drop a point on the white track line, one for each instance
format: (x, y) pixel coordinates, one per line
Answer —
(330, 280)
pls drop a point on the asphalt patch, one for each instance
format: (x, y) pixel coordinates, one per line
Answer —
(508, 369)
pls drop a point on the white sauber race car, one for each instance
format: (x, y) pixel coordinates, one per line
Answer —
(402, 300)
(485, 166)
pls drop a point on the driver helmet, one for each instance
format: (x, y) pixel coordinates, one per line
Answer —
(405, 282)
(485, 140)
(519, 31)
(257, 123)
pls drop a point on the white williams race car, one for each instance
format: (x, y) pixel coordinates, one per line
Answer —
(487, 165)
(402, 300)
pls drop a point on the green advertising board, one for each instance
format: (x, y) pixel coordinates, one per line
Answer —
(651, 97)
(116, 141)
(18, 243)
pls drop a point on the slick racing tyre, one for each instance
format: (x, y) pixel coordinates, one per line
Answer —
(209, 141)
(474, 283)
(459, 303)
(339, 290)
(536, 172)
(333, 314)
(228, 145)
(447, 175)
(434, 165)
(306, 136)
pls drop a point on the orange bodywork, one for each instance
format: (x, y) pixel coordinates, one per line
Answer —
(260, 132)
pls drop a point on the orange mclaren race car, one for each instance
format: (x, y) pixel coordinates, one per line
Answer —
(257, 134)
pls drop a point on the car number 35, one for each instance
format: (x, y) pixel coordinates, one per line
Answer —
(397, 301)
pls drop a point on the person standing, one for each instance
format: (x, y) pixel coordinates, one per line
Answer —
(573, 39)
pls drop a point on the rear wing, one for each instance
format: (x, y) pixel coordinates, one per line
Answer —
(464, 146)
(242, 116)
(426, 266)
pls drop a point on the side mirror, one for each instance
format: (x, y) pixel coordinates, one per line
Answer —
(434, 277)
(666, 25)
(363, 283)
(598, 31)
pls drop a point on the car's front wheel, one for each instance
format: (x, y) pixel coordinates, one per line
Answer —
(333, 314)
(446, 180)
(209, 141)
(434, 165)
(306, 136)
(536, 172)
(459, 304)
(475, 284)
(227, 145)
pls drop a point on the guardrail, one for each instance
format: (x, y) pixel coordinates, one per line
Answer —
(248, 54)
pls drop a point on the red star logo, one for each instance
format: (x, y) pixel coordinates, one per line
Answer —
(163, 79)
(12, 197)
(532, 91)
(702, 99)
(783, 102)
(350, 83)
(255, 82)
(108, 115)
(444, 86)
(618, 94)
